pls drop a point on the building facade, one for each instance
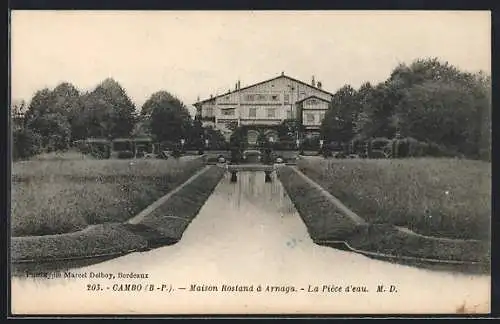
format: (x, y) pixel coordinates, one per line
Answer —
(266, 103)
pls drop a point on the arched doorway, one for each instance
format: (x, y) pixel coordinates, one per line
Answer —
(252, 137)
(271, 133)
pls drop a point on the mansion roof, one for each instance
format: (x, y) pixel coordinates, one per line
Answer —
(311, 97)
(262, 82)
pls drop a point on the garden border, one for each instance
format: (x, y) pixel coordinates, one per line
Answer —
(141, 240)
(337, 206)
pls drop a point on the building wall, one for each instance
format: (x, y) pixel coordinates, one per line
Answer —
(313, 118)
(313, 112)
(268, 103)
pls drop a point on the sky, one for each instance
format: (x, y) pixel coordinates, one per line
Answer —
(198, 53)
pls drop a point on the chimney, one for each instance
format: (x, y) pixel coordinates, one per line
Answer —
(239, 84)
(319, 85)
(211, 96)
(236, 86)
(282, 73)
(313, 83)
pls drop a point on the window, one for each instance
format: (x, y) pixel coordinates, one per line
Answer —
(252, 112)
(310, 118)
(209, 112)
(271, 112)
(287, 98)
(261, 97)
(288, 114)
(250, 97)
(274, 97)
(321, 116)
(228, 111)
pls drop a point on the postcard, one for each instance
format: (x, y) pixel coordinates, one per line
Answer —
(250, 162)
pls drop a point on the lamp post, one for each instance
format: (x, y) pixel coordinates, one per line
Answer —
(182, 144)
(206, 143)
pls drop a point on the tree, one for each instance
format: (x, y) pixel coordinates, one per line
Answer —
(196, 133)
(215, 137)
(18, 112)
(423, 70)
(44, 119)
(67, 101)
(482, 92)
(441, 104)
(40, 104)
(363, 117)
(339, 121)
(18, 108)
(290, 129)
(142, 128)
(52, 114)
(379, 111)
(54, 129)
(441, 113)
(25, 143)
(169, 118)
(94, 119)
(109, 111)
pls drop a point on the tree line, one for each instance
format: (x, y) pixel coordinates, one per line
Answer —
(428, 102)
(57, 118)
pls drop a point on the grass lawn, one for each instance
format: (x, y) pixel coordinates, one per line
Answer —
(53, 196)
(431, 196)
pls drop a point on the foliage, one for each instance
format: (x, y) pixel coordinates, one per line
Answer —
(289, 129)
(215, 137)
(125, 154)
(54, 129)
(443, 108)
(26, 143)
(108, 111)
(169, 117)
(339, 121)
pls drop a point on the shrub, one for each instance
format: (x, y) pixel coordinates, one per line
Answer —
(400, 148)
(176, 153)
(439, 150)
(285, 145)
(379, 147)
(334, 146)
(125, 154)
(26, 143)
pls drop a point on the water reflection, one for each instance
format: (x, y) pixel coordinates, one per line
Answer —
(248, 233)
